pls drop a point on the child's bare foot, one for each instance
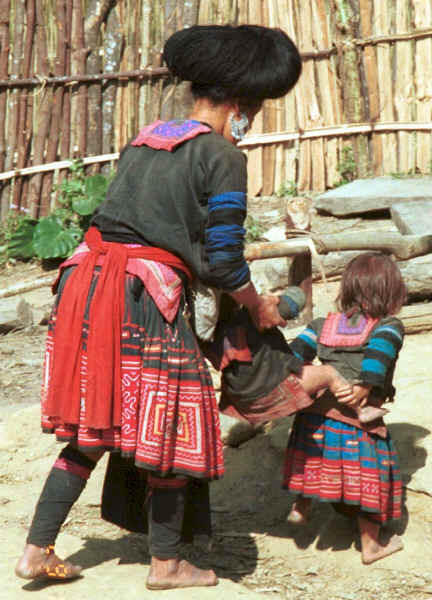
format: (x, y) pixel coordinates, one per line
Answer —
(374, 551)
(370, 413)
(174, 573)
(300, 511)
(39, 562)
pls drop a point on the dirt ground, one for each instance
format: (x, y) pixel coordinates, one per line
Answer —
(256, 553)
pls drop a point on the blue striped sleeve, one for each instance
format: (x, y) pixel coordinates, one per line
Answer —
(381, 353)
(304, 346)
(225, 236)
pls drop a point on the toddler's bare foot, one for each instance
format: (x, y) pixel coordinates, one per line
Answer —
(39, 562)
(370, 413)
(173, 573)
(375, 551)
(300, 511)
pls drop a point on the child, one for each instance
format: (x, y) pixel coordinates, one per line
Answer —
(262, 379)
(330, 455)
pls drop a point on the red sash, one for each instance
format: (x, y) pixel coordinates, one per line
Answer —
(103, 397)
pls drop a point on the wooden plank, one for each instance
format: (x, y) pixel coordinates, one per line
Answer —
(416, 317)
(371, 76)
(404, 89)
(423, 77)
(382, 21)
(413, 218)
(402, 246)
(255, 158)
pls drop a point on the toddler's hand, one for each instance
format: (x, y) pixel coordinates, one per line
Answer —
(357, 396)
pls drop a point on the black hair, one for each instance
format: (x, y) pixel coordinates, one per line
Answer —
(223, 62)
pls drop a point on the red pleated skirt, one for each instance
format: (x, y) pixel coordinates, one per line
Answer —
(170, 418)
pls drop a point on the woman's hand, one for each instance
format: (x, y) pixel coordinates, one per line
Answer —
(262, 309)
(265, 314)
(358, 396)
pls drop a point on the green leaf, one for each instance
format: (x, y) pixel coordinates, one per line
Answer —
(20, 243)
(51, 240)
(94, 193)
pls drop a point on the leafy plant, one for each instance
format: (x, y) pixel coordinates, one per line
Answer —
(254, 230)
(289, 188)
(57, 235)
(346, 166)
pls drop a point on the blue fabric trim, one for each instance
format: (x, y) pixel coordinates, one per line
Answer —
(236, 200)
(224, 257)
(383, 346)
(221, 236)
(309, 337)
(388, 329)
(373, 366)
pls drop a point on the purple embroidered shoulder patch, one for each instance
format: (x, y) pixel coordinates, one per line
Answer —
(338, 330)
(167, 135)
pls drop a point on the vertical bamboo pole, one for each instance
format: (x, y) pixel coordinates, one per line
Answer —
(57, 109)
(316, 100)
(67, 96)
(269, 119)
(14, 106)
(112, 50)
(43, 122)
(79, 99)
(5, 7)
(371, 77)
(327, 91)
(291, 149)
(423, 83)
(255, 155)
(25, 124)
(144, 60)
(204, 12)
(304, 160)
(96, 13)
(347, 16)
(170, 26)
(404, 88)
(382, 22)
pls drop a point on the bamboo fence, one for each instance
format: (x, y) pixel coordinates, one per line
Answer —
(78, 78)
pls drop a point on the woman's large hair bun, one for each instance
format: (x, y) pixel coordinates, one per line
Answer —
(248, 61)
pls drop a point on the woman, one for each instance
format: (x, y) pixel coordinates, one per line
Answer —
(123, 370)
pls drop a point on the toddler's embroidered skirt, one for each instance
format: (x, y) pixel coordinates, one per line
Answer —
(335, 462)
(169, 417)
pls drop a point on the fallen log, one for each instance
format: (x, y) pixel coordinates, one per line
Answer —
(27, 286)
(416, 317)
(417, 272)
(402, 246)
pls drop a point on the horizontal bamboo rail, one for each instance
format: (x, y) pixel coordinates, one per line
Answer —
(55, 166)
(250, 140)
(151, 72)
(347, 129)
(147, 73)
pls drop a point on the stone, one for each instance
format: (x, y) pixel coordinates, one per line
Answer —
(414, 218)
(375, 194)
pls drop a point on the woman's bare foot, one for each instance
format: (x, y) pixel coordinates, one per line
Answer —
(375, 551)
(174, 573)
(39, 562)
(299, 511)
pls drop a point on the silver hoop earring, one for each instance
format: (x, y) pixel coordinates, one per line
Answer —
(239, 127)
